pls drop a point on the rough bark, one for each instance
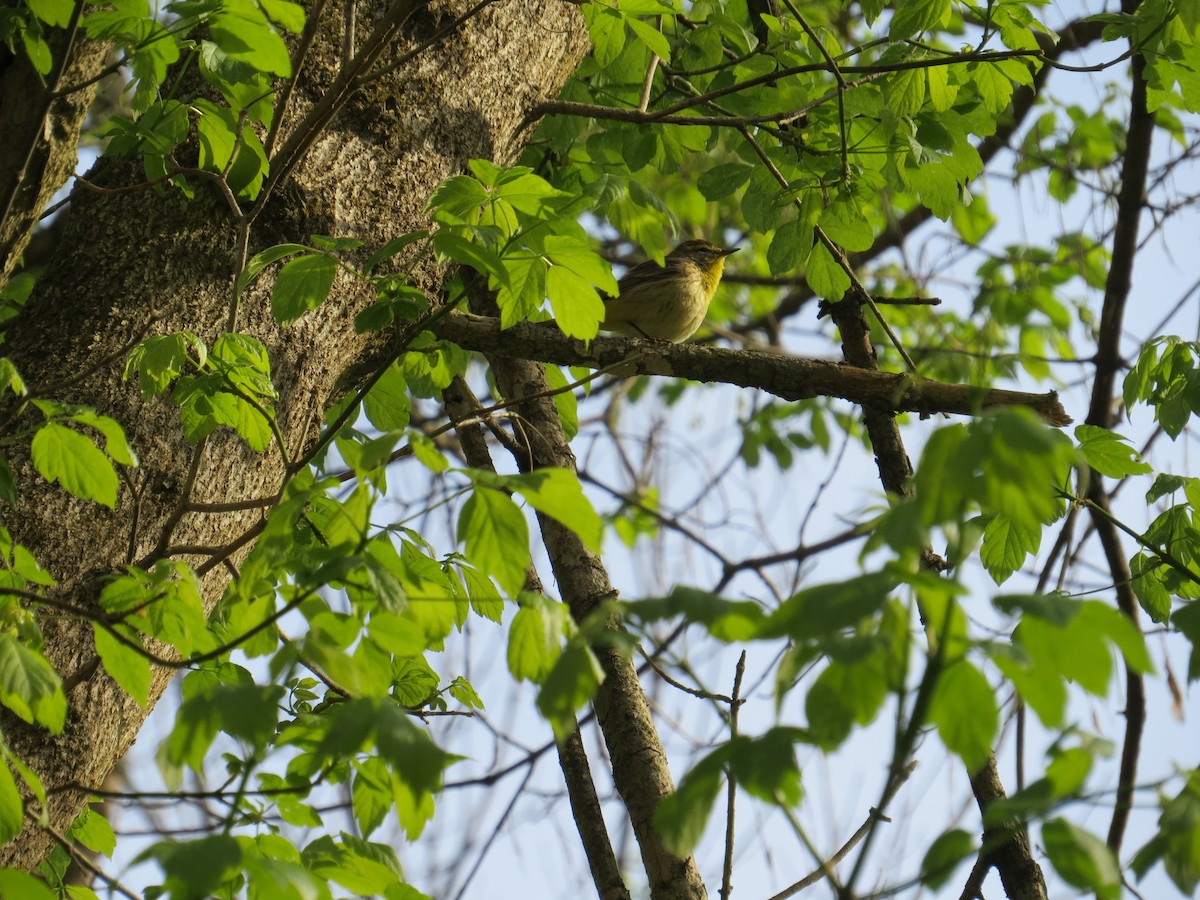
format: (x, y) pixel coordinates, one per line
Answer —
(1006, 846)
(41, 122)
(462, 405)
(150, 262)
(639, 763)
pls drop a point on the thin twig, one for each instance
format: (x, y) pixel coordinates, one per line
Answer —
(735, 705)
(873, 817)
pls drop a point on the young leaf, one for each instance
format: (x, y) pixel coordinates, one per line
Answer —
(11, 808)
(558, 494)
(496, 537)
(1108, 453)
(964, 710)
(1082, 859)
(302, 284)
(945, 854)
(66, 456)
(29, 686)
(14, 883)
(535, 640)
(128, 668)
(264, 258)
(571, 683)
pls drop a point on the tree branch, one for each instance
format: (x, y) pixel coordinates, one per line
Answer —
(639, 762)
(1130, 200)
(462, 406)
(787, 377)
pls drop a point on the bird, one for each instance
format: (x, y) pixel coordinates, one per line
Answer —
(667, 302)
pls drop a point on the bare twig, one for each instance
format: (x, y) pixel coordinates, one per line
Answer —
(873, 817)
(735, 705)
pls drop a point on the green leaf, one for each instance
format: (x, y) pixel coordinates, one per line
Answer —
(285, 13)
(564, 400)
(52, 12)
(37, 49)
(535, 639)
(94, 831)
(973, 221)
(942, 480)
(29, 686)
(160, 359)
(681, 816)
(242, 31)
(993, 86)
(847, 225)
(937, 187)
(1109, 453)
(387, 404)
(914, 16)
(606, 27)
(790, 246)
(242, 86)
(905, 91)
(557, 493)
(825, 276)
(415, 759)
(361, 867)
(577, 307)
(248, 711)
(496, 537)
(760, 202)
(17, 884)
(66, 456)
(651, 37)
(524, 191)
(571, 683)
(826, 609)
(426, 451)
(196, 726)
(195, 868)
(259, 261)
(10, 378)
(726, 620)
(765, 766)
(1060, 639)
(222, 134)
(128, 668)
(12, 810)
(576, 271)
(1149, 587)
(963, 708)
(461, 196)
(116, 444)
(1005, 547)
(1082, 859)
(1178, 839)
(370, 794)
(944, 856)
(302, 284)
(526, 288)
(722, 180)
(845, 695)
(477, 257)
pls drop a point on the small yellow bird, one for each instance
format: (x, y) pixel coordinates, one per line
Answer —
(668, 302)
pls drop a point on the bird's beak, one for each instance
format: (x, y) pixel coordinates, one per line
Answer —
(730, 252)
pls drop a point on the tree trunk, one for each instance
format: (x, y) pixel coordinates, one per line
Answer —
(148, 261)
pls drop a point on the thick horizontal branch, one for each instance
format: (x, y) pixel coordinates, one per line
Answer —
(787, 377)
